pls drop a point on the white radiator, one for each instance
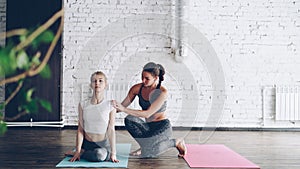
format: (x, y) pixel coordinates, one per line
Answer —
(117, 91)
(287, 102)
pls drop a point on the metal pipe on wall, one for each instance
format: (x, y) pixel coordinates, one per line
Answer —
(177, 42)
(36, 124)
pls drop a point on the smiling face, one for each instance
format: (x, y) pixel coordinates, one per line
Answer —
(98, 82)
(148, 79)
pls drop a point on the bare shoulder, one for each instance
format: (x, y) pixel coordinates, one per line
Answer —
(163, 89)
(135, 88)
(80, 105)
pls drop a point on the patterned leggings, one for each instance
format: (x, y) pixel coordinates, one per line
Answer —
(153, 137)
(96, 151)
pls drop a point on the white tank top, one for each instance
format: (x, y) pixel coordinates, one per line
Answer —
(96, 116)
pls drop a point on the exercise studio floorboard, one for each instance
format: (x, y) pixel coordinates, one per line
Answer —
(29, 148)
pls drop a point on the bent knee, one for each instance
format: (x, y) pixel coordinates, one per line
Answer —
(101, 154)
(128, 119)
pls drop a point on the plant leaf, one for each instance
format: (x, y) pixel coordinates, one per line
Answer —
(22, 60)
(46, 104)
(1, 107)
(8, 63)
(46, 72)
(3, 127)
(31, 107)
(46, 37)
(36, 60)
(29, 95)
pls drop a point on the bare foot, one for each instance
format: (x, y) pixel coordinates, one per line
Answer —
(136, 152)
(180, 145)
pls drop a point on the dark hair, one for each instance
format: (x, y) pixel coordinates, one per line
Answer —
(155, 70)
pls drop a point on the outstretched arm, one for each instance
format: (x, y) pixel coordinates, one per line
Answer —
(131, 95)
(129, 98)
(112, 136)
(79, 137)
(144, 113)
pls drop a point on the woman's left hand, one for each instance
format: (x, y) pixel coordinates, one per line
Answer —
(114, 158)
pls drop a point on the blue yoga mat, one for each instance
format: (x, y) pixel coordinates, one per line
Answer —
(122, 155)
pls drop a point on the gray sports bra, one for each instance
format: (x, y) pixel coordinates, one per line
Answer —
(145, 104)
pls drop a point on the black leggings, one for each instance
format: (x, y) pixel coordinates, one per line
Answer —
(153, 137)
(96, 151)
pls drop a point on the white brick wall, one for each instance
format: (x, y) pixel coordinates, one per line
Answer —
(255, 45)
(258, 45)
(2, 41)
(2, 19)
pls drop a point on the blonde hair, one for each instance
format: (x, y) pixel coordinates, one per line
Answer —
(99, 73)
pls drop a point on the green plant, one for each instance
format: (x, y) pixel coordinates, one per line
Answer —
(20, 60)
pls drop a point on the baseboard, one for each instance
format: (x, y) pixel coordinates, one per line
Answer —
(277, 129)
(237, 128)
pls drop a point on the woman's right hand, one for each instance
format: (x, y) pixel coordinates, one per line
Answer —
(76, 157)
(113, 103)
(118, 106)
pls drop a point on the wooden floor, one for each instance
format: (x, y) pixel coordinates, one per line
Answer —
(43, 148)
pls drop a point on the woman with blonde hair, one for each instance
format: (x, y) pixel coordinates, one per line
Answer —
(95, 139)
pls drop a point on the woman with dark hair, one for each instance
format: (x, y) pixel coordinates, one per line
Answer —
(154, 134)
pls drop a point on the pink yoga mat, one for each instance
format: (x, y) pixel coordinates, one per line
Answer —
(215, 156)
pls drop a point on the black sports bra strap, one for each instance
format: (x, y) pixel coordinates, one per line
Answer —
(140, 91)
